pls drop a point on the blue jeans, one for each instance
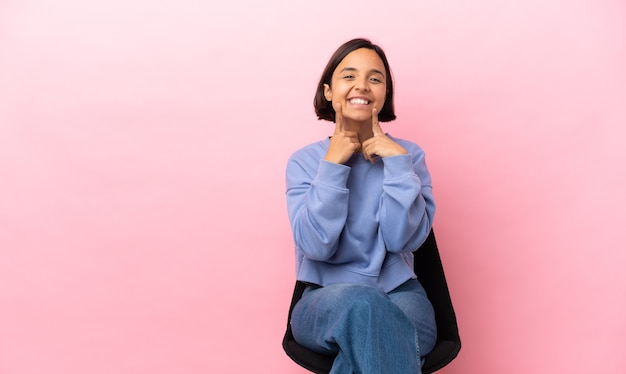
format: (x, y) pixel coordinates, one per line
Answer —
(371, 332)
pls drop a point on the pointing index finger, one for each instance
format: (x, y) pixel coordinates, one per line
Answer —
(376, 130)
(338, 118)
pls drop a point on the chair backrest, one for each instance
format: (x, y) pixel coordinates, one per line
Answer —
(429, 270)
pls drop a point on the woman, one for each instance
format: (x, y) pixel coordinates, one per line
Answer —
(360, 202)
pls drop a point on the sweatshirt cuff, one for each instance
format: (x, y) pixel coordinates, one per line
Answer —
(398, 166)
(332, 174)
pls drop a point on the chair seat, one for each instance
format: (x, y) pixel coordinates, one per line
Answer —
(443, 352)
(316, 362)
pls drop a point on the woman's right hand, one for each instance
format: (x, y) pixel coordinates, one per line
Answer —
(343, 144)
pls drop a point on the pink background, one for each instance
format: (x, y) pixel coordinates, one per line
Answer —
(143, 226)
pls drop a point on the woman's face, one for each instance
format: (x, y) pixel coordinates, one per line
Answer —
(359, 85)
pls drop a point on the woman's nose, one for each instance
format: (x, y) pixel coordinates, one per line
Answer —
(362, 85)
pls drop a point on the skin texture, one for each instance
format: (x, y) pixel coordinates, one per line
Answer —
(360, 75)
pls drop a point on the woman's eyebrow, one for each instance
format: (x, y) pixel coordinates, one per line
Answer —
(348, 69)
(376, 71)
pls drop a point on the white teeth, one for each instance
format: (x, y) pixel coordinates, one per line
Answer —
(359, 101)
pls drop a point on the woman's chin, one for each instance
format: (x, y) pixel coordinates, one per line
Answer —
(358, 118)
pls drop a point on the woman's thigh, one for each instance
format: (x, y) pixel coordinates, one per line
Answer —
(411, 298)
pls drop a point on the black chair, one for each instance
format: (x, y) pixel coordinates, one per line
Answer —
(428, 268)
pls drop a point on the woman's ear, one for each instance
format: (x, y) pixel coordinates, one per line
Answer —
(328, 93)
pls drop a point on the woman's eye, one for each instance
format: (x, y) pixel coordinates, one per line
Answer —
(348, 77)
(376, 80)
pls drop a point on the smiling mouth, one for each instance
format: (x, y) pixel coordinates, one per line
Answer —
(358, 101)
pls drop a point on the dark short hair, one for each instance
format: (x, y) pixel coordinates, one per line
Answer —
(324, 108)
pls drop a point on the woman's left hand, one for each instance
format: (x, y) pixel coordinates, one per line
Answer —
(380, 144)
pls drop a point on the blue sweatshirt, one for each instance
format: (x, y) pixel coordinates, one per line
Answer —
(358, 222)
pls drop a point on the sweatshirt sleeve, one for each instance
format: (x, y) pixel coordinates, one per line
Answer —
(407, 204)
(317, 203)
